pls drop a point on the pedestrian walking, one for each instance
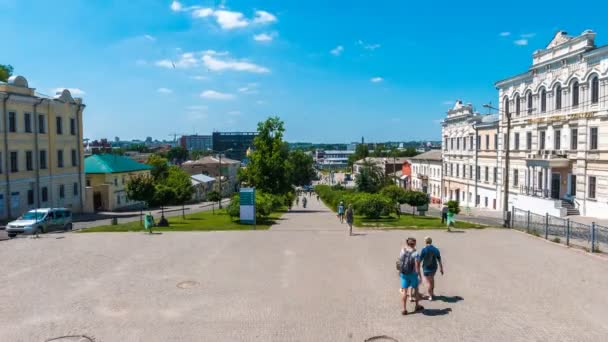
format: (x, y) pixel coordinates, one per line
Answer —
(430, 259)
(350, 216)
(444, 214)
(408, 264)
(298, 201)
(304, 200)
(341, 211)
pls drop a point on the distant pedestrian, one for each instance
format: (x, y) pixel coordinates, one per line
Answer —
(430, 258)
(298, 201)
(317, 197)
(350, 216)
(304, 200)
(341, 211)
(444, 214)
(408, 264)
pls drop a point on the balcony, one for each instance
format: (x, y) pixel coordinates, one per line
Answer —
(422, 177)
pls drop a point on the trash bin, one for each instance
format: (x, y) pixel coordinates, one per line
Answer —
(114, 221)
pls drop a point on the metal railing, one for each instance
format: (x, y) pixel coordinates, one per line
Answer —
(535, 192)
(592, 237)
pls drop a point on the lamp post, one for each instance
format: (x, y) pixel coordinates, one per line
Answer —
(220, 171)
(506, 147)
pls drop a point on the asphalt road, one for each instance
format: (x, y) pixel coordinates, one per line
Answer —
(303, 280)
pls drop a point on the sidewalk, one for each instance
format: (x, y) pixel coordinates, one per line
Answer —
(475, 215)
(315, 217)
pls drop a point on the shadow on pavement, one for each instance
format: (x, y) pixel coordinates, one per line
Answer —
(455, 231)
(359, 234)
(449, 299)
(297, 211)
(436, 312)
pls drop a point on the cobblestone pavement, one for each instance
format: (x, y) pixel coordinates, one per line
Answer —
(303, 280)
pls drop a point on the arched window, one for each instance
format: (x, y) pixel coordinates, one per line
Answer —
(517, 105)
(558, 97)
(575, 94)
(543, 100)
(506, 105)
(595, 90)
(529, 101)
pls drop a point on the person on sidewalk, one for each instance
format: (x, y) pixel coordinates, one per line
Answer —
(341, 212)
(430, 258)
(444, 214)
(350, 217)
(409, 263)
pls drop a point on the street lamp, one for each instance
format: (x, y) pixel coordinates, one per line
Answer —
(220, 170)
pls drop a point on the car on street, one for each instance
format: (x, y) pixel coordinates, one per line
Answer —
(38, 221)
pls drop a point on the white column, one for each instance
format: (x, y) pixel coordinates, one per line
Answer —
(549, 176)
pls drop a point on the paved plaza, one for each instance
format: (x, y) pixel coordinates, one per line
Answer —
(303, 280)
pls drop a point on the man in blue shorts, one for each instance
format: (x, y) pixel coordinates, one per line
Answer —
(430, 258)
(409, 263)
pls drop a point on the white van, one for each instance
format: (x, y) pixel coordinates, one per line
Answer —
(41, 221)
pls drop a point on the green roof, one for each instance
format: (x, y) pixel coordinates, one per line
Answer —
(111, 163)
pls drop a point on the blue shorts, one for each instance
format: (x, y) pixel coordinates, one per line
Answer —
(409, 280)
(429, 273)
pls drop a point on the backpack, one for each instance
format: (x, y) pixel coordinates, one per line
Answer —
(407, 262)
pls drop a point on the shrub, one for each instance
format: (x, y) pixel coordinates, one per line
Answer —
(234, 208)
(453, 207)
(415, 199)
(395, 193)
(373, 205)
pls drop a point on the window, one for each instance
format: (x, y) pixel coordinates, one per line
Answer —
(477, 200)
(558, 97)
(478, 176)
(506, 105)
(123, 177)
(0, 163)
(486, 201)
(471, 143)
(59, 125)
(457, 170)
(464, 143)
(14, 162)
(529, 103)
(59, 158)
(575, 94)
(451, 172)
(486, 178)
(487, 142)
(592, 187)
(41, 125)
(471, 171)
(516, 141)
(74, 158)
(543, 100)
(464, 171)
(557, 140)
(573, 185)
(478, 147)
(517, 105)
(445, 144)
(12, 122)
(515, 177)
(27, 120)
(30, 197)
(458, 143)
(61, 191)
(73, 126)
(45, 194)
(42, 159)
(118, 199)
(528, 140)
(451, 143)
(29, 164)
(593, 134)
(496, 142)
(595, 90)
(541, 140)
(75, 189)
(573, 138)
(494, 176)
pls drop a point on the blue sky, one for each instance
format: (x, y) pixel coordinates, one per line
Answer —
(332, 70)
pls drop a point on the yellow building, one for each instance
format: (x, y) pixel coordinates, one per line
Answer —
(40, 149)
(107, 176)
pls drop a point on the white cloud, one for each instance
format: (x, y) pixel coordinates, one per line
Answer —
(262, 37)
(376, 79)
(366, 46)
(216, 64)
(229, 20)
(164, 90)
(149, 37)
(528, 35)
(337, 51)
(73, 91)
(521, 42)
(263, 17)
(216, 95)
(176, 6)
(186, 61)
(505, 34)
(251, 88)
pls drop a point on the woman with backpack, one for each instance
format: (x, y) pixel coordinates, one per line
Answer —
(408, 264)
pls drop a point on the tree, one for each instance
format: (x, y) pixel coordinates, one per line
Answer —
(197, 154)
(6, 71)
(163, 196)
(160, 167)
(178, 155)
(214, 196)
(178, 180)
(415, 199)
(141, 188)
(370, 178)
(301, 168)
(361, 152)
(267, 169)
(395, 193)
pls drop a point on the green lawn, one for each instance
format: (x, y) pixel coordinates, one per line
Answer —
(407, 221)
(202, 221)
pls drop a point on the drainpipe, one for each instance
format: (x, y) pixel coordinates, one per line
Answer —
(78, 154)
(477, 143)
(6, 156)
(37, 152)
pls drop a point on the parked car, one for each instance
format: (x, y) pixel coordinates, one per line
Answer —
(41, 221)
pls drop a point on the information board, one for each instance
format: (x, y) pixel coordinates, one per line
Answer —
(247, 205)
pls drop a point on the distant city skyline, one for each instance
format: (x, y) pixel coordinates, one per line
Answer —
(387, 72)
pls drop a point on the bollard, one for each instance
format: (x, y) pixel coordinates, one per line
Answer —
(567, 232)
(114, 221)
(546, 226)
(592, 237)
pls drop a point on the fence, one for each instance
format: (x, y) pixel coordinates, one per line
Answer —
(591, 237)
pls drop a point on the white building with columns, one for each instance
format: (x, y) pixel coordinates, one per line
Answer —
(558, 132)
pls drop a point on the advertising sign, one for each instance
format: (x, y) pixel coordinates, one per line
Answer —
(247, 205)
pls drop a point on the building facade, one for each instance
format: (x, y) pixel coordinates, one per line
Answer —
(332, 159)
(210, 166)
(237, 142)
(427, 175)
(196, 142)
(41, 151)
(558, 129)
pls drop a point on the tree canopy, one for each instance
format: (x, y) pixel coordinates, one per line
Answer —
(301, 168)
(6, 71)
(160, 167)
(370, 178)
